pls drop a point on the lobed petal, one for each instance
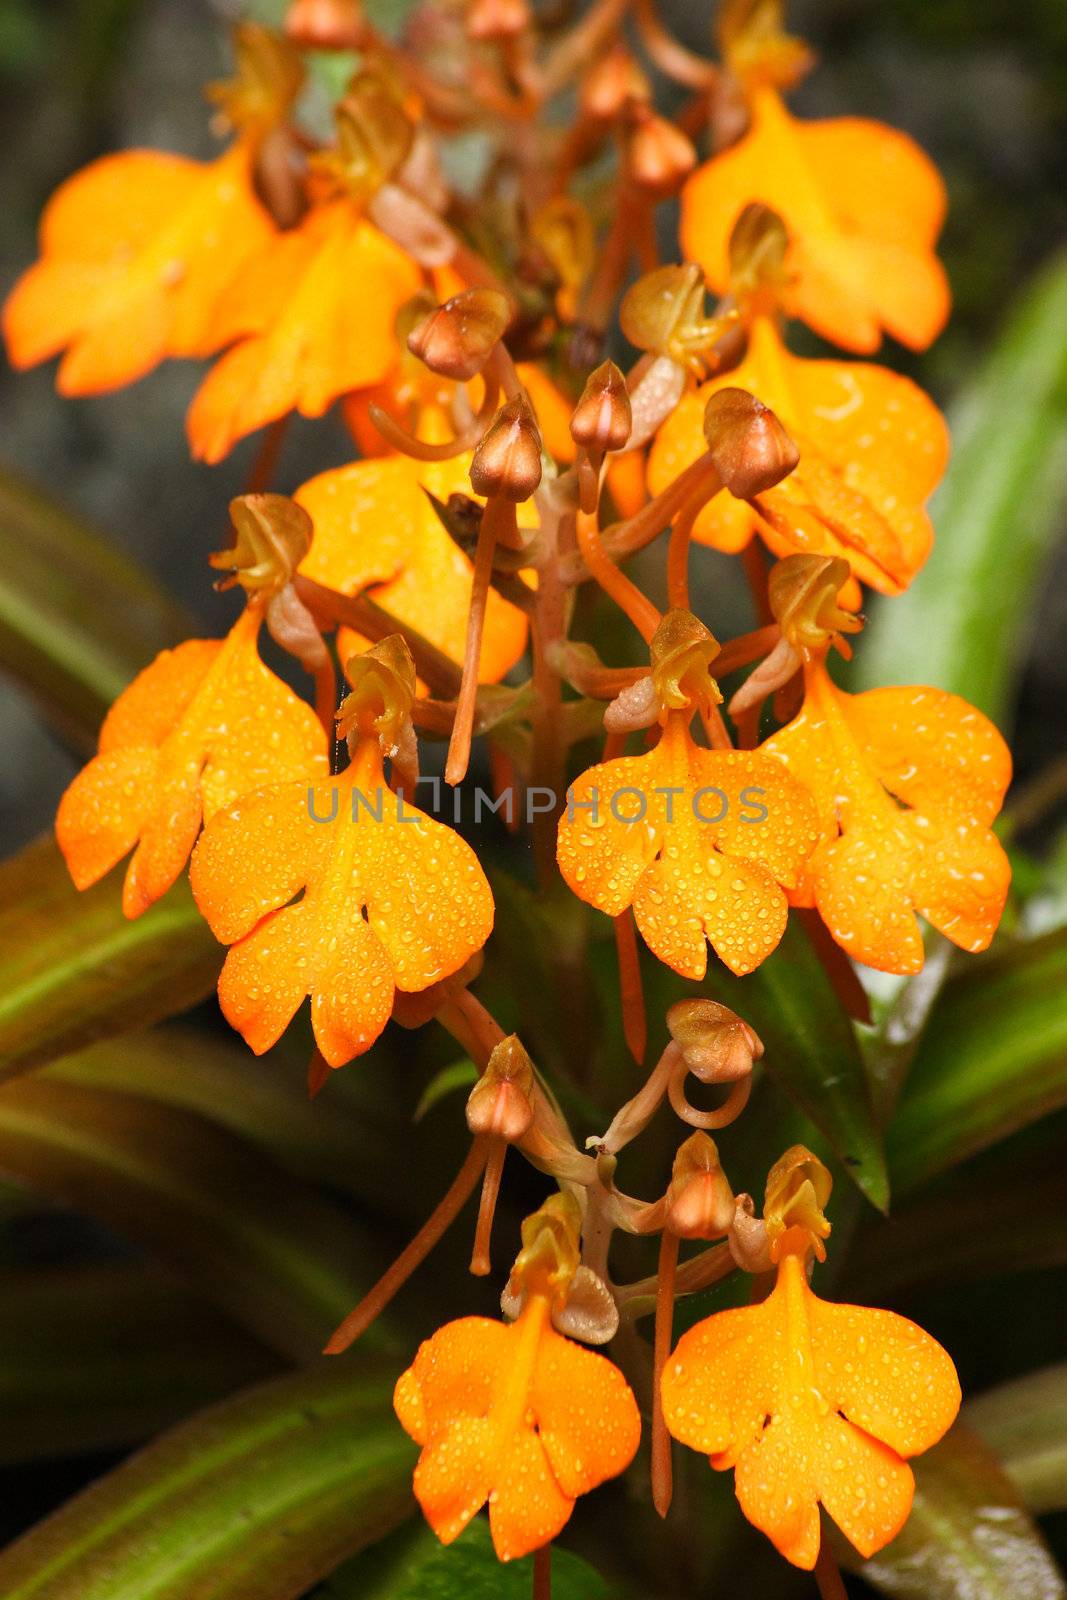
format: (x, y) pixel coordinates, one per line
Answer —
(601, 854)
(587, 1418)
(527, 1506)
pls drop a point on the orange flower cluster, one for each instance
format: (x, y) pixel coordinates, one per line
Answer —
(491, 485)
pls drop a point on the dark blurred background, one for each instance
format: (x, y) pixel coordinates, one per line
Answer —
(982, 84)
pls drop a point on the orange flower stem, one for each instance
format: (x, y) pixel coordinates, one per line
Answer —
(756, 575)
(613, 259)
(745, 649)
(827, 1575)
(716, 729)
(481, 1265)
(631, 990)
(266, 463)
(662, 1474)
(502, 768)
(472, 1026)
(678, 557)
(673, 58)
(326, 697)
(499, 514)
(627, 596)
(373, 1304)
(375, 623)
(542, 1573)
(548, 629)
(728, 1112)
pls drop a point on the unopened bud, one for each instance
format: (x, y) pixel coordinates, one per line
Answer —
(663, 312)
(700, 1202)
(660, 155)
(798, 1188)
(612, 84)
(681, 652)
(272, 536)
(748, 445)
(497, 19)
(802, 591)
(383, 685)
(457, 339)
(499, 1103)
(507, 462)
(603, 418)
(718, 1046)
(325, 24)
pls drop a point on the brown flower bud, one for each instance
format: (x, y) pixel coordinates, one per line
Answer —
(718, 1046)
(272, 537)
(660, 155)
(802, 591)
(325, 24)
(700, 1202)
(612, 84)
(497, 19)
(603, 418)
(457, 339)
(507, 462)
(499, 1103)
(750, 448)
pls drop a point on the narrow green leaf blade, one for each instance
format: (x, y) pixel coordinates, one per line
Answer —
(282, 1260)
(969, 1537)
(418, 1568)
(101, 1356)
(993, 1058)
(812, 1048)
(1024, 1423)
(78, 618)
(74, 969)
(255, 1499)
(961, 623)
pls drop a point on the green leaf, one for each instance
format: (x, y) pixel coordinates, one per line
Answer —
(416, 1567)
(969, 1536)
(1024, 1423)
(457, 1075)
(285, 1262)
(78, 619)
(963, 621)
(993, 1058)
(255, 1499)
(812, 1049)
(102, 1356)
(74, 969)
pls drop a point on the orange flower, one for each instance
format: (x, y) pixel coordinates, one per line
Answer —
(339, 890)
(376, 529)
(137, 251)
(811, 1403)
(518, 1415)
(697, 841)
(204, 724)
(906, 782)
(872, 449)
(863, 206)
(314, 312)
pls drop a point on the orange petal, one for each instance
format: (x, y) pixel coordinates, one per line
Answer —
(454, 1476)
(376, 529)
(318, 312)
(135, 253)
(390, 899)
(185, 739)
(777, 1486)
(452, 1375)
(885, 1373)
(527, 1507)
(724, 1378)
(587, 1418)
(866, 1488)
(863, 207)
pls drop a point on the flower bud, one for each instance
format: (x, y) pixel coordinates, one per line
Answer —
(750, 448)
(612, 84)
(457, 339)
(660, 155)
(325, 24)
(499, 1103)
(681, 652)
(718, 1046)
(497, 19)
(802, 591)
(273, 535)
(507, 462)
(603, 418)
(700, 1202)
